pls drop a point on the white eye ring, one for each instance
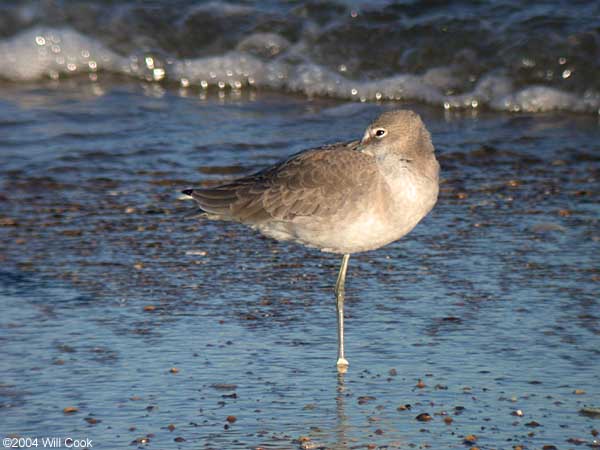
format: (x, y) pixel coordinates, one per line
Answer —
(380, 132)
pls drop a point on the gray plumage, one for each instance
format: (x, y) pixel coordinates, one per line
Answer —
(341, 198)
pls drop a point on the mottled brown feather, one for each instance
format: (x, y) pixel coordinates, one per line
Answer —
(315, 183)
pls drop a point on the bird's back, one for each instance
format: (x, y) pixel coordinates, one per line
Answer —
(318, 183)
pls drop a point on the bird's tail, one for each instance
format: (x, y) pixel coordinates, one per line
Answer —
(215, 201)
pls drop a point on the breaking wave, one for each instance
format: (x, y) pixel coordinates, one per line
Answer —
(327, 51)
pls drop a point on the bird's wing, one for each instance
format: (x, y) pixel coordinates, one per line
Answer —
(318, 183)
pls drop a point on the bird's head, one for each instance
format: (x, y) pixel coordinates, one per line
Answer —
(399, 133)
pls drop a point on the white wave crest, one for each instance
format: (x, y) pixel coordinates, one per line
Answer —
(269, 61)
(44, 52)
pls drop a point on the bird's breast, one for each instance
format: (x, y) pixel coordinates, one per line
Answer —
(412, 196)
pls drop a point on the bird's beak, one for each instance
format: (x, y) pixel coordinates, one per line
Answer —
(366, 137)
(364, 144)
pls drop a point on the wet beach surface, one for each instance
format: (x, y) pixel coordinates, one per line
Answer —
(165, 330)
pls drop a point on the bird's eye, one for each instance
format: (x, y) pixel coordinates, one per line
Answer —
(380, 132)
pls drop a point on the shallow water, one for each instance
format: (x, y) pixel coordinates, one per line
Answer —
(109, 280)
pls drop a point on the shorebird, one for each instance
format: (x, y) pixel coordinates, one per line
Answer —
(340, 198)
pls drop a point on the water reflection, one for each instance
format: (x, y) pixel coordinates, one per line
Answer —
(342, 419)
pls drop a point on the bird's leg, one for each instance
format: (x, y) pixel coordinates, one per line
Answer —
(342, 363)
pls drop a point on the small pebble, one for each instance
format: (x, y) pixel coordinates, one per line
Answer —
(448, 420)
(224, 387)
(174, 370)
(470, 439)
(592, 411)
(423, 417)
(365, 399)
(8, 222)
(231, 419)
(70, 410)
(420, 384)
(196, 253)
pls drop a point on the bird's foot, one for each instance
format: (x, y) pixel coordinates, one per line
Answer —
(342, 365)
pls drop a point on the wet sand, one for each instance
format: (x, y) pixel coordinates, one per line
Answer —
(168, 331)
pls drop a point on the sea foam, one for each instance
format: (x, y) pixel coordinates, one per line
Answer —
(267, 60)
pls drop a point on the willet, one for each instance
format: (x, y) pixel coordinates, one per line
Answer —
(342, 198)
